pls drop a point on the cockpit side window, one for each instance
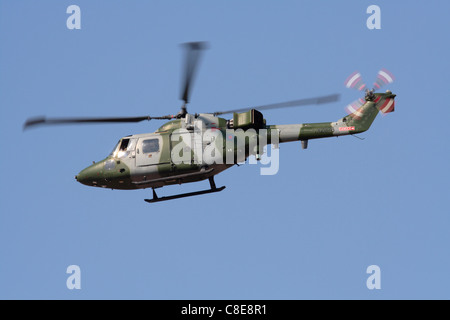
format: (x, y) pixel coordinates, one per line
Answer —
(132, 145)
(127, 146)
(150, 145)
(124, 144)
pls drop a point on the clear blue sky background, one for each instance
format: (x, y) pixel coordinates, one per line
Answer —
(308, 232)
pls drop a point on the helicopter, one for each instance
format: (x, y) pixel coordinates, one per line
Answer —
(175, 153)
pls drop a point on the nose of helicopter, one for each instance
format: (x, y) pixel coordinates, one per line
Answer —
(108, 173)
(88, 175)
(84, 177)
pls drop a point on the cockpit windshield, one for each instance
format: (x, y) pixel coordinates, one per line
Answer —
(114, 150)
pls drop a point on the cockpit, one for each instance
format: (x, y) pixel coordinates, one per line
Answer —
(111, 172)
(124, 148)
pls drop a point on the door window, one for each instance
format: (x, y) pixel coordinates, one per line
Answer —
(150, 146)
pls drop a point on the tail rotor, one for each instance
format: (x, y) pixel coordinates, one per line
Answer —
(354, 81)
(384, 77)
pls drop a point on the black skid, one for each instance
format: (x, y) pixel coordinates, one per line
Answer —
(184, 195)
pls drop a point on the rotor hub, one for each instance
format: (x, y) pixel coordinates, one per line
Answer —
(370, 96)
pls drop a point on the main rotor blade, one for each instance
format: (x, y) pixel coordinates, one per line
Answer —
(192, 56)
(54, 121)
(288, 104)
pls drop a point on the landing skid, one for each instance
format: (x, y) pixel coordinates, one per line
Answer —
(184, 195)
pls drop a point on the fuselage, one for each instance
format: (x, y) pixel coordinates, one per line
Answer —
(149, 161)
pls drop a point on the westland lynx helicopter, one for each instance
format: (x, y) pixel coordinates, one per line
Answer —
(151, 160)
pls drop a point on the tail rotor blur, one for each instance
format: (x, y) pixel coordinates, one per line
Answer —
(384, 77)
(354, 81)
(353, 109)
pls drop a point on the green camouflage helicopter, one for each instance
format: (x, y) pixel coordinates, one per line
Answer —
(196, 147)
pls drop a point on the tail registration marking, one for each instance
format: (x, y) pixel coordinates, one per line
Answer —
(346, 128)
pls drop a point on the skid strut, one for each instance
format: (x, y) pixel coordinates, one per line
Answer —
(184, 195)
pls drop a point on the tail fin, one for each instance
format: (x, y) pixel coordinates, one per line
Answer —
(388, 104)
(360, 119)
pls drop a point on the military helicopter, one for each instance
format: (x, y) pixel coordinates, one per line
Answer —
(152, 160)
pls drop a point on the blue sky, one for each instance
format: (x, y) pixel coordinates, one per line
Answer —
(308, 232)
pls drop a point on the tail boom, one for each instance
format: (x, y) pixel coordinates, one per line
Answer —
(357, 122)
